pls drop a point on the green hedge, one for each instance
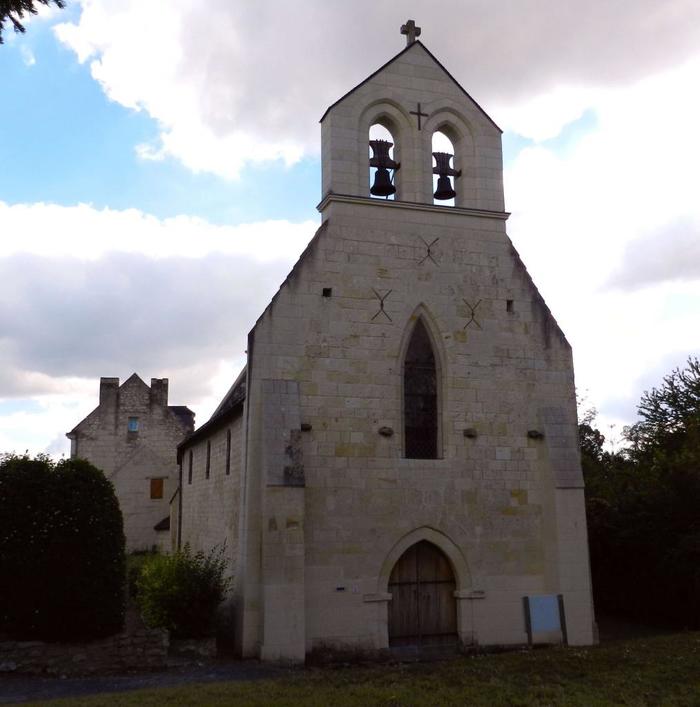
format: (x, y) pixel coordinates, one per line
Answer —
(62, 559)
(181, 592)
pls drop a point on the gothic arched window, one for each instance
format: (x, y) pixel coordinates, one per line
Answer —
(420, 396)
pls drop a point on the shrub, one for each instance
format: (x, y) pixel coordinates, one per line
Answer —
(181, 592)
(61, 550)
(135, 562)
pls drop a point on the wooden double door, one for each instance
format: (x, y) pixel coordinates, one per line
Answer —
(422, 610)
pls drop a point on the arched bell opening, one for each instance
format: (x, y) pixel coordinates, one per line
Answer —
(421, 396)
(444, 172)
(423, 608)
(383, 162)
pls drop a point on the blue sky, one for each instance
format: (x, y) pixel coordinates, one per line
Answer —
(71, 144)
(192, 141)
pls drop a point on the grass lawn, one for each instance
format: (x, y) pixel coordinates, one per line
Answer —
(662, 670)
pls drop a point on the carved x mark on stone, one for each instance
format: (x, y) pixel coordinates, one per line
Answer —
(428, 253)
(381, 299)
(472, 312)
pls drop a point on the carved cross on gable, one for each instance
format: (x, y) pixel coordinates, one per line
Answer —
(419, 115)
(411, 32)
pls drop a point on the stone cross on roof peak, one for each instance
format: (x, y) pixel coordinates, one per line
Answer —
(411, 31)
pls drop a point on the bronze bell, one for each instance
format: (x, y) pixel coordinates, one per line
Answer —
(383, 185)
(444, 189)
(442, 168)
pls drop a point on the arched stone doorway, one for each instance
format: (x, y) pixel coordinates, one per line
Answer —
(422, 610)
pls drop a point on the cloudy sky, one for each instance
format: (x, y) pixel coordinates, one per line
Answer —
(159, 171)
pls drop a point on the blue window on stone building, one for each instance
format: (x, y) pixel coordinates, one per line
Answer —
(133, 424)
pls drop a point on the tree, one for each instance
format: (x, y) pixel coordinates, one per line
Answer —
(670, 412)
(642, 507)
(15, 10)
(62, 559)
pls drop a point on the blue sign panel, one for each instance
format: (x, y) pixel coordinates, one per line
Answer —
(544, 613)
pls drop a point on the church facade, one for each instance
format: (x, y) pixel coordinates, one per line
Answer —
(398, 463)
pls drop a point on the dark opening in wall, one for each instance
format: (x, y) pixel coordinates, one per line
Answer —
(509, 305)
(420, 397)
(228, 451)
(327, 291)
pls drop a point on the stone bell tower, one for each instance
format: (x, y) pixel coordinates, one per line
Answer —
(411, 456)
(413, 96)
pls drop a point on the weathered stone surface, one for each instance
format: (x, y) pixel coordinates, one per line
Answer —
(131, 459)
(312, 561)
(119, 653)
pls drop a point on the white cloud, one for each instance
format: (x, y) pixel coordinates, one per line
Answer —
(118, 38)
(38, 424)
(92, 292)
(609, 232)
(669, 254)
(242, 82)
(544, 116)
(87, 233)
(606, 227)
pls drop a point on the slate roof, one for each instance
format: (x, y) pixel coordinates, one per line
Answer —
(163, 524)
(183, 413)
(229, 407)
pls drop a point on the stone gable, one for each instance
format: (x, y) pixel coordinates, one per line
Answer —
(140, 462)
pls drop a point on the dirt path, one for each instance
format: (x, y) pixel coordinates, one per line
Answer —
(23, 688)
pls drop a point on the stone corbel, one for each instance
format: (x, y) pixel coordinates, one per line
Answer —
(469, 594)
(380, 596)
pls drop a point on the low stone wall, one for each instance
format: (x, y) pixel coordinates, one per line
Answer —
(193, 648)
(136, 648)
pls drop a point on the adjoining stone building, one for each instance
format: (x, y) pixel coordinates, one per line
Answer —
(132, 435)
(398, 463)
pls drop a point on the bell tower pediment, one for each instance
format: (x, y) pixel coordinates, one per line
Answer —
(412, 96)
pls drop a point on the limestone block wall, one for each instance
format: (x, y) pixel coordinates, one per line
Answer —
(391, 98)
(132, 459)
(504, 368)
(211, 506)
(283, 635)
